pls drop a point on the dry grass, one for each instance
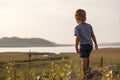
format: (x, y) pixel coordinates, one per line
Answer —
(40, 63)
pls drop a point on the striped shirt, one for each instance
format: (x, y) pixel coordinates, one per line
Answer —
(85, 32)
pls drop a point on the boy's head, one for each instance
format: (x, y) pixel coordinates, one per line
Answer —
(80, 16)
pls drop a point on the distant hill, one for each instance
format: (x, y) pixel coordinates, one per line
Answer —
(37, 42)
(25, 42)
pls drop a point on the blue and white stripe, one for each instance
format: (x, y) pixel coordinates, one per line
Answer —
(85, 32)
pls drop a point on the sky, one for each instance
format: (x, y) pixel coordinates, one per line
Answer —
(54, 19)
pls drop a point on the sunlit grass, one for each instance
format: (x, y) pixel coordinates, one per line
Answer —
(64, 71)
(54, 66)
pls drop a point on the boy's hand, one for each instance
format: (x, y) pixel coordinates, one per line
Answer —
(96, 47)
(78, 51)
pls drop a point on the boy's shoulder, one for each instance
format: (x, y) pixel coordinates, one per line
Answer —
(88, 24)
(82, 25)
(78, 26)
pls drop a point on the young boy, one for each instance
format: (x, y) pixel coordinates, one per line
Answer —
(84, 36)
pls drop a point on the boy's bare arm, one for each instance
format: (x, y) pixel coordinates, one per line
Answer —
(95, 41)
(77, 41)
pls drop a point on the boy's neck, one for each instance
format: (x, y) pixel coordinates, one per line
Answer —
(80, 22)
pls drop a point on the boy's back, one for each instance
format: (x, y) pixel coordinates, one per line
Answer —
(85, 31)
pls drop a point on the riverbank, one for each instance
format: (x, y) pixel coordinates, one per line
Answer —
(42, 61)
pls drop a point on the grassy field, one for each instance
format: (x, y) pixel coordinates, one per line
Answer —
(42, 61)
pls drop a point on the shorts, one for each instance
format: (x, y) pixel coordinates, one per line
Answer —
(85, 50)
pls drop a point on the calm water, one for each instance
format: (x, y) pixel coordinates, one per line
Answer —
(39, 49)
(46, 49)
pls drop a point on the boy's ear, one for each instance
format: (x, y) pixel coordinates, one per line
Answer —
(77, 18)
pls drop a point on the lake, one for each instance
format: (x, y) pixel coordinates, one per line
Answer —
(45, 49)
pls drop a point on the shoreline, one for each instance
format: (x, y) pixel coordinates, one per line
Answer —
(22, 52)
(30, 49)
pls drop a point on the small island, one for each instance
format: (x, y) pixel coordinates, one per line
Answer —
(28, 42)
